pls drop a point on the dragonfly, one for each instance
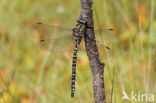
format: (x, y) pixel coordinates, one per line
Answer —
(77, 34)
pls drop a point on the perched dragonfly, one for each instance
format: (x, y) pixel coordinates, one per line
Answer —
(78, 33)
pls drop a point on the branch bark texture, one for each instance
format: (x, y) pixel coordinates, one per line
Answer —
(97, 67)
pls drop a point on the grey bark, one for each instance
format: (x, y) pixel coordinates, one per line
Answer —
(97, 67)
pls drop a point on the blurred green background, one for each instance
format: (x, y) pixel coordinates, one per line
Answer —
(31, 74)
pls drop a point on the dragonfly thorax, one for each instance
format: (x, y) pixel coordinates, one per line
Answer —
(78, 32)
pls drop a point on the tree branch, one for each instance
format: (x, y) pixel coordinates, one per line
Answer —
(97, 67)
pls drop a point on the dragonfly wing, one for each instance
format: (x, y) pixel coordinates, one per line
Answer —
(45, 30)
(53, 27)
(103, 39)
(53, 37)
(56, 44)
(104, 30)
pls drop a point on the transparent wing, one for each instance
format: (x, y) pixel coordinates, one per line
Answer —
(57, 44)
(54, 27)
(57, 38)
(104, 38)
(46, 30)
(54, 38)
(103, 29)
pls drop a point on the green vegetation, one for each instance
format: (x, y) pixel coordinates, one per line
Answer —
(32, 74)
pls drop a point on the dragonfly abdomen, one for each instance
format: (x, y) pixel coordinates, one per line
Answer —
(78, 32)
(74, 70)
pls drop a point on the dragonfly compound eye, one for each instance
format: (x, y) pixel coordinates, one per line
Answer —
(81, 20)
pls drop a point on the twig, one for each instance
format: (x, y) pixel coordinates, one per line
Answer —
(97, 67)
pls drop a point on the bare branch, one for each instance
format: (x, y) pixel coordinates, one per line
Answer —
(97, 67)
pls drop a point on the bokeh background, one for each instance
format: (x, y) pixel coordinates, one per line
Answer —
(32, 73)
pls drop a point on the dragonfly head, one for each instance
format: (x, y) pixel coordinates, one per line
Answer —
(81, 20)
